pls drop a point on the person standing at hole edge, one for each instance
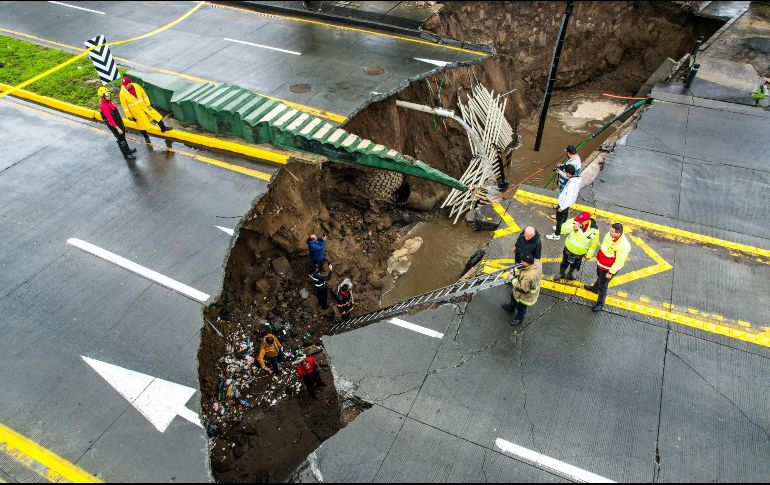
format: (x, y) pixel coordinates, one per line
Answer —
(526, 287)
(572, 159)
(581, 243)
(111, 118)
(321, 288)
(610, 259)
(136, 106)
(308, 372)
(567, 197)
(527, 242)
(316, 248)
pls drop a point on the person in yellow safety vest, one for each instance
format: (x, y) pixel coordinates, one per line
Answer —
(582, 241)
(136, 106)
(526, 287)
(610, 259)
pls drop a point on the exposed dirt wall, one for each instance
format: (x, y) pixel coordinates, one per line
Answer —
(629, 39)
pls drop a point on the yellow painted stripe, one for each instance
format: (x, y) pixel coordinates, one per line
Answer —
(511, 226)
(720, 328)
(660, 266)
(354, 29)
(523, 196)
(229, 166)
(86, 51)
(206, 141)
(337, 118)
(30, 454)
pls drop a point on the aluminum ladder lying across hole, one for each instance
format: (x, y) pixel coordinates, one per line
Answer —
(461, 288)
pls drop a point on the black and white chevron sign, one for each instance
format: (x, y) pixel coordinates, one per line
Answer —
(102, 59)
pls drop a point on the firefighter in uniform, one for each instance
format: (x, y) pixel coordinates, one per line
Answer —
(111, 118)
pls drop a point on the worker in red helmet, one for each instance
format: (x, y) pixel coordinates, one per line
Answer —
(307, 371)
(136, 106)
(581, 243)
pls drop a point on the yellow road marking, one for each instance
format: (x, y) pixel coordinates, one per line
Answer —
(86, 51)
(660, 266)
(249, 151)
(212, 161)
(47, 464)
(524, 196)
(511, 226)
(737, 329)
(338, 118)
(354, 29)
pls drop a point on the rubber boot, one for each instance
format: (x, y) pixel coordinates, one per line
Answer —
(125, 150)
(163, 127)
(570, 275)
(511, 306)
(146, 138)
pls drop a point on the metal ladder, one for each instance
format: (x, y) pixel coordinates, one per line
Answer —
(461, 288)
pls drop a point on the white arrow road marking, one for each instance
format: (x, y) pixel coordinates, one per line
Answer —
(159, 401)
(433, 61)
(416, 328)
(549, 464)
(79, 8)
(140, 270)
(264, 46)
(228, 231)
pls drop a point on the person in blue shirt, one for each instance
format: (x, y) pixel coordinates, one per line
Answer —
(317, 248)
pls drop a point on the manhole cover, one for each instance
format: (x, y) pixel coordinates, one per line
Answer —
(300, 88)
(374, 70)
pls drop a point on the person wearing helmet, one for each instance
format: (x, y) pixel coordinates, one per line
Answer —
(114, 122)
(136, 106)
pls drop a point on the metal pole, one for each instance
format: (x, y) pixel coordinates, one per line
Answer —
(552, 74)
(693, 73)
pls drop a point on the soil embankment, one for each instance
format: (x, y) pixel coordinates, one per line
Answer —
(261, 428)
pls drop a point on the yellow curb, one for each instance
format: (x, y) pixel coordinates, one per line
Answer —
(30, 454)
(206, 141)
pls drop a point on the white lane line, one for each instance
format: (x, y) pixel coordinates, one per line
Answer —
(140, 270)
(416, 328)
(79, 8)
(264, 46)
(564, 470)
(433, 61)
(226, 230)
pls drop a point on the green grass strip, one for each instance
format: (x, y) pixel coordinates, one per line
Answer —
(76, 83)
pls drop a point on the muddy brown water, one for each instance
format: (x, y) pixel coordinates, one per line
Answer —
(447, 247)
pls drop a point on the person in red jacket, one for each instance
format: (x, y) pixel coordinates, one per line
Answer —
(307, 371)
(114, 122)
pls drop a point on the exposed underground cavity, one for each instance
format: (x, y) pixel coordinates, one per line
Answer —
(261, 429)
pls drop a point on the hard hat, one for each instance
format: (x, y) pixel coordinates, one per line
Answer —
(102, 91)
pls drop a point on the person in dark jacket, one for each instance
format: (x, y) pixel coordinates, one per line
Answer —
(114, 122)
(321, 288)
(528, 242)
(345, 300)
(317, 248)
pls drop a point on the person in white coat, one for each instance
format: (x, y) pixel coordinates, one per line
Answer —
(567, 197)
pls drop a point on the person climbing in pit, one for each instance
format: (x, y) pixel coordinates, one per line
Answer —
(320, 282)
(308, 372)
(136, 106)
(270, 348)
(111, 117)
(345, 301)
(317, 247)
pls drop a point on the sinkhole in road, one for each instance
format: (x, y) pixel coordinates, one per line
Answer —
(262, 428)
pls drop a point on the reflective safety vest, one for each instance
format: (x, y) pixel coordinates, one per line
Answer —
(581, 243)
(613, 254)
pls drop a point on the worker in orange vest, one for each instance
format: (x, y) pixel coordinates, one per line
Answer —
(610, 259)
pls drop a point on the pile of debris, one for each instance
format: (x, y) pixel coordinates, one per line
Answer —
(240, 371)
